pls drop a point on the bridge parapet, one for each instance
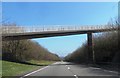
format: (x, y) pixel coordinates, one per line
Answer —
(23, 29)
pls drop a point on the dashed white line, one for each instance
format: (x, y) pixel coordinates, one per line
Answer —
(76, 76)
(73, 73)
(68, 67)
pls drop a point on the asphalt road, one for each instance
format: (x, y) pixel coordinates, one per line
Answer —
(70, 70)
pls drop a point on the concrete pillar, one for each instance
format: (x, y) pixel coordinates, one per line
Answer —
(90, 49)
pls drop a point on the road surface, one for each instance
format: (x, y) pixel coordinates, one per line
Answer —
(69, 70)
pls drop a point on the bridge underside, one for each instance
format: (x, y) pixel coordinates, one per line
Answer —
(30, 35)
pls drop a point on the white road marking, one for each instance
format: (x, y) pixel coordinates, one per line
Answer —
(104, 70)
(36, 70)
(95, 68)
(68, 67)
(75, 76)
(111, 71)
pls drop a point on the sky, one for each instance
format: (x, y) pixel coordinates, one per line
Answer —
(59, 13)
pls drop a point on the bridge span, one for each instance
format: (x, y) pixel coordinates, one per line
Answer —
(20, 33)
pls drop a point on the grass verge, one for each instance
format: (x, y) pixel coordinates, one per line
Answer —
(16, 69)
(41, 62)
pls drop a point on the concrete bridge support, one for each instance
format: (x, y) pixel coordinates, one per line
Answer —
(90, 47)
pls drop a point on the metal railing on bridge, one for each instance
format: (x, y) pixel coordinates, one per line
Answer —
(23, 29)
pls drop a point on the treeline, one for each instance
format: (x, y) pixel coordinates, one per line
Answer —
(105, 47)
(25, 50)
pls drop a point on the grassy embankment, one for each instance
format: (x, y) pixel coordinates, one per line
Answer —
(16, 69)
(0, 69)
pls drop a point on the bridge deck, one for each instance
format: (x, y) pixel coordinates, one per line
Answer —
(52, 33)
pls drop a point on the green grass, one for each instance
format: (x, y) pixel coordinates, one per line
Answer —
(41, 62)
(14, 69)
(0, 69)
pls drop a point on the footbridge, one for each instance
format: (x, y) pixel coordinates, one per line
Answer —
(28, 32)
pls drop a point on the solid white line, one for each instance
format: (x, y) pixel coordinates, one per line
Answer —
(104, 70)
(94, 68)
(36, 71)
(111, 71)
